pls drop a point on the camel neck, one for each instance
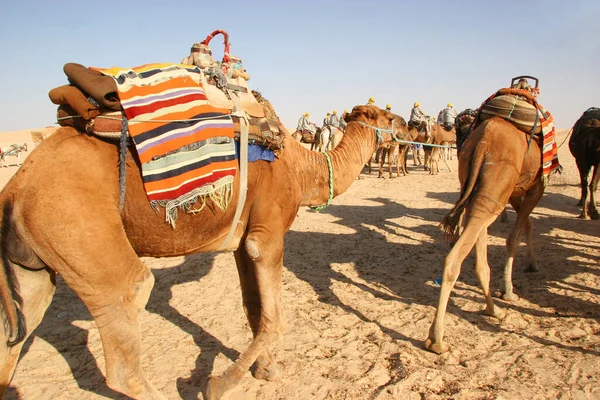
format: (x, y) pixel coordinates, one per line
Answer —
(347, 160)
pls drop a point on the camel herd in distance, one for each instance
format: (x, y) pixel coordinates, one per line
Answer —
(98, 256)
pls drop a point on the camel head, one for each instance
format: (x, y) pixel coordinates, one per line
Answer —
(371, 115)
(400, 127)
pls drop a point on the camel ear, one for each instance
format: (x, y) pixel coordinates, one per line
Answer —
(372, 113)
(389, 115)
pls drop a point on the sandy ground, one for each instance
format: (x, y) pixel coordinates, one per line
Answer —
(359, 299)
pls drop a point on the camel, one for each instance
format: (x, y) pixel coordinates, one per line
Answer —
(12, 150)
(322, 140)
(335, 138)
(495, 167)
(584, 145)
(394, 151)
(61, 215)
(438, 136)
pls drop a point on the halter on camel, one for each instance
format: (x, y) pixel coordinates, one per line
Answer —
(380, 139)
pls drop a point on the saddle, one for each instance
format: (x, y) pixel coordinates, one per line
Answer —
(517, 106)
(91, 104)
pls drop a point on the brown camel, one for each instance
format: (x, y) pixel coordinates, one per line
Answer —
(60, 214)
(584, 145)
(394, 151)
(495, 167)
(438, 136)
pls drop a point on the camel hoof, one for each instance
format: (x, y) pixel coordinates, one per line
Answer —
(215, 388)
(510, 297)
(594, 215)
(437, 348)
(583, 216)
(497, 313)
(274, 373)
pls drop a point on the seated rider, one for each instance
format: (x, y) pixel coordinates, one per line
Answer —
(388, 107)
(334, 121)
(304, 124)
(326, 121)
(343, 123)
(417, 116)
(447, 116)
(371, 101)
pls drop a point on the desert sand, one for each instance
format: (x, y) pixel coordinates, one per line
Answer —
(359, 299)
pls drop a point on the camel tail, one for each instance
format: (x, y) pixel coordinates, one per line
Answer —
(10, 300)
(451, 222)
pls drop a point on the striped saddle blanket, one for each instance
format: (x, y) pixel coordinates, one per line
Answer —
(523, 111)
(185, 145)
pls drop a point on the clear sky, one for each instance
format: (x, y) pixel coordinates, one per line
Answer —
(315, 56)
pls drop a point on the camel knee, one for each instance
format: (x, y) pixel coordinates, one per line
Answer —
(141, 290)
(252, 249)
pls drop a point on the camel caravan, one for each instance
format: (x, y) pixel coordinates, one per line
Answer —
(173, 159)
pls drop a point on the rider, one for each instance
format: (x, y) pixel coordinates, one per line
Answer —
(388, 107)
(419, 119)
(334, 120)
(342, 122)
(304, 124)
(447, 116)
(326, 120)
(371, 101)
(417, 115)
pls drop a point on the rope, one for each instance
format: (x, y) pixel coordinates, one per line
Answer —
(331, 183)
(566, 137)
(426, 144)
(122, 161)
(330, 166)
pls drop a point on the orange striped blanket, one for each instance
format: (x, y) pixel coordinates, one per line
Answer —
(186, 146)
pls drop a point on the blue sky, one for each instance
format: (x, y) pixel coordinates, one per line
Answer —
(315, 56)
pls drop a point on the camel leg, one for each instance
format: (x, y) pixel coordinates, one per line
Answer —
(452, 265)
(446, 161)
(584, 171)
(523, 207)
(482, 269)
(114, 286)
(36, 288)
(267, 367)
(504, 216)
(262, 289)
(592, 209)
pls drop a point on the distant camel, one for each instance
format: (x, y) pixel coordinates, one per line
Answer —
(394, 151)
(496, 166)
(60, 215)
(584, 145)
(437, 136)
(12, 150)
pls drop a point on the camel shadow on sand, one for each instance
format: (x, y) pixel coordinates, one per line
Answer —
(416, 263)
(405, 280)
